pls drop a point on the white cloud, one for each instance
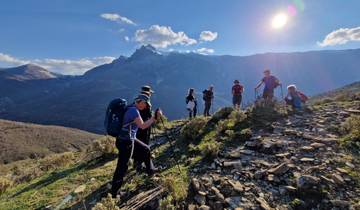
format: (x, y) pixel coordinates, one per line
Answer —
(162, 37)
(62, 66)
(341, 36)
(117, 18)
(127, 38)
(204, 51)
(208, 36)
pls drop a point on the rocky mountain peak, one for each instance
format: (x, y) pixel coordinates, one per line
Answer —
(144, 52)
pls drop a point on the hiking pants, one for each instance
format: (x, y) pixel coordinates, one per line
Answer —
(192, 113)
(124, 147)
(144, 136)
(207, 108)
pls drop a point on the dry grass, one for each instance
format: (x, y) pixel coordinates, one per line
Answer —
(20, 141)
(4, 184)
(107, 203)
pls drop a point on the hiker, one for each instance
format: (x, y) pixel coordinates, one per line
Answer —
(191, 103)
(294, 97)
(143, 134)
(127, 140)
(237, 91)
(270, 82)
(208, 96)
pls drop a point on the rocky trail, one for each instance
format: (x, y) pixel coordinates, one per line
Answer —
(297, 166)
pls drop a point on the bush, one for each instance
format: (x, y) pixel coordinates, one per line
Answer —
(167, 203)
(351, 129)
(193, 129)
(107, 203)
(210, 150)
(4, 184)
(176, 185)
(221, 114)
(104, 147)
(243, 135)
(56, 161)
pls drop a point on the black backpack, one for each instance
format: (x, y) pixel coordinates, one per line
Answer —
(114, 116)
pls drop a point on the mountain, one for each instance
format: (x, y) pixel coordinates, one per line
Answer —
(25, 140)
(27, 72)
(80, 101)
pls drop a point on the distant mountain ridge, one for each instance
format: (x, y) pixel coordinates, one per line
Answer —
(80, 101)
(27, 72)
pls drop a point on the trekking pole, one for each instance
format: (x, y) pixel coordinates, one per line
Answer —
(171, 145)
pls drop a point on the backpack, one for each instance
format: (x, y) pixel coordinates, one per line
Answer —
(303, 97)
(114, 116)
(205, 95)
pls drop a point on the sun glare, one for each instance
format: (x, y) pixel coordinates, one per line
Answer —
(279, 21)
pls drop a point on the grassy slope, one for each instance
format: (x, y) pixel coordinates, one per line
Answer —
(23, 140)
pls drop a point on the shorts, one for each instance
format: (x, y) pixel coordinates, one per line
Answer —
(237, 99)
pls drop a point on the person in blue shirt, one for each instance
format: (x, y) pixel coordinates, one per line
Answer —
(294, 97)
(126, 142)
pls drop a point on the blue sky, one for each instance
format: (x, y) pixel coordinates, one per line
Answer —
(70, 36)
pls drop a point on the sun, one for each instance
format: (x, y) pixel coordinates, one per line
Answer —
(279, 21)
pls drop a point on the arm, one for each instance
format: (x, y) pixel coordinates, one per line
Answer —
(143, 125)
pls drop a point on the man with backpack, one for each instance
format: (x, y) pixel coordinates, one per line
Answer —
(208, 96)
(129, 121)
(270, 82)
(143, 134)
(237, 91)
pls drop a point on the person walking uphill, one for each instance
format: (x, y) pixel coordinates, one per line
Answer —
(191, 103)
(126, 141)
(143, 134)
(237, 91)
(208, 96)
(270, 82)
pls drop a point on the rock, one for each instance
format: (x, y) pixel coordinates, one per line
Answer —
(338, 179)
(279, 170)
(263, 204)
(350, 165)
(340, 203)
(341, 170)
(238, 187)
(259, 174)
(80, 189)
(195, 184)
(272, 178)
(290, 189)
(234, 202)
(307, 160)
(220, 197)
(218, 205)
(200, 199)
(283, 155)
(235, 164)
(317, 145)
(307, 148)
(191, 207)
(307, 183)
(204, 207)
(291, 132)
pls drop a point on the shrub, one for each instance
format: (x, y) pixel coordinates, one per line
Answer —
(104, 147)
(4, 184)
(167, 203)
(351, 127)
(193, 129)
(107, 203)
(176, 185)
(56, 161)
(221, 114)
(243, 135)
(210, 150)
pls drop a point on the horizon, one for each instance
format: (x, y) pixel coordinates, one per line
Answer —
(72, 37)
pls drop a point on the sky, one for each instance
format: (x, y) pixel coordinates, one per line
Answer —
(71, 37)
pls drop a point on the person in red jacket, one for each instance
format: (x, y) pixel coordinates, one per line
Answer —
(237, 91)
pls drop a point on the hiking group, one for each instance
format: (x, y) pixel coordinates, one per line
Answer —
(131, 124)
(293, 98)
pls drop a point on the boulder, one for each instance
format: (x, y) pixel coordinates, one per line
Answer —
(279, 170)
(307, 183)
(263, 204)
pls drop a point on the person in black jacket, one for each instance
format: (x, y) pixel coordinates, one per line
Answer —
(208, 96)
(144, 134)
(191, 103)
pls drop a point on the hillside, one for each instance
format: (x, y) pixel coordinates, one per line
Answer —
(262, 158)
(80, 101)
(24, 140)
(27, 72)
